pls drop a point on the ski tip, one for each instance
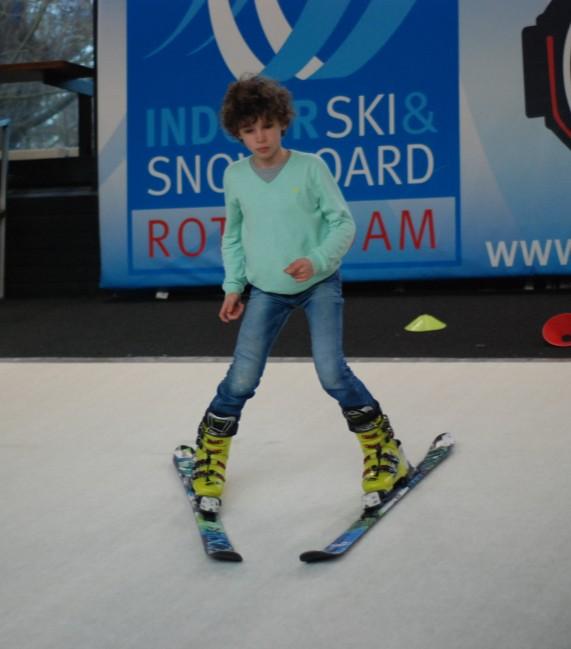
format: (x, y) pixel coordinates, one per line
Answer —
(183, 452)
(445, 440)
(315, 556)
(226, 555)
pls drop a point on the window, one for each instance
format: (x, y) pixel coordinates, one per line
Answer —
(43, 117)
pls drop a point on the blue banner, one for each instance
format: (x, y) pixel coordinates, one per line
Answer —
(418, 108)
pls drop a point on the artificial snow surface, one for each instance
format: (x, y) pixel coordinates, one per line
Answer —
(99, 550)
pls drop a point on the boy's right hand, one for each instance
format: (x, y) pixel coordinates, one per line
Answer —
(232, 307)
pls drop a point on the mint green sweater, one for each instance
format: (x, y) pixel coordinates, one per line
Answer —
(300, 213)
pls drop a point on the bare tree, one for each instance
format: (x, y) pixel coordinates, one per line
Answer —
(43, 30)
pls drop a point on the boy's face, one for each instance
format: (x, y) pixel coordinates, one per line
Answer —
(263, 138)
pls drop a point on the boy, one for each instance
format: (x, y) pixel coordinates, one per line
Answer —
(287, 229)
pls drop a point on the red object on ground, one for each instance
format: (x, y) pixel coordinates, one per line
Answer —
(557, 330)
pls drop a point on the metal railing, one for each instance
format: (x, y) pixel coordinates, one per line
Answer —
(4, 152)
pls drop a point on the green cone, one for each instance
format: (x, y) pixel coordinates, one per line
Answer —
(425, 322)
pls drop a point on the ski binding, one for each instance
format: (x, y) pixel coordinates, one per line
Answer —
(375, 508)
(216, 543)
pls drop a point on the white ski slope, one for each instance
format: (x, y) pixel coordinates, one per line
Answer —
(98, 548)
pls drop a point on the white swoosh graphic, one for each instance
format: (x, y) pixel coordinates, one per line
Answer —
(277, 31)
(236, 54)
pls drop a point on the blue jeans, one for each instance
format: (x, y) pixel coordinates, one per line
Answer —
(265, 316)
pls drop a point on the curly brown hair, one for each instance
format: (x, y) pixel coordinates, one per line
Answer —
(253, 97)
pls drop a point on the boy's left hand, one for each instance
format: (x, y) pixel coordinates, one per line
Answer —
(300, 269)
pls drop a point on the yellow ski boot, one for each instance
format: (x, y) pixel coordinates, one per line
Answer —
(385, 464)
(211, 458)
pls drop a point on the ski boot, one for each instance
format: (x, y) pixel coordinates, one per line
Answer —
(209, 472)
(386, 466)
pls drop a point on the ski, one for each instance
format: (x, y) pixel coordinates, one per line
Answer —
(216, 543)
(439, 450)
